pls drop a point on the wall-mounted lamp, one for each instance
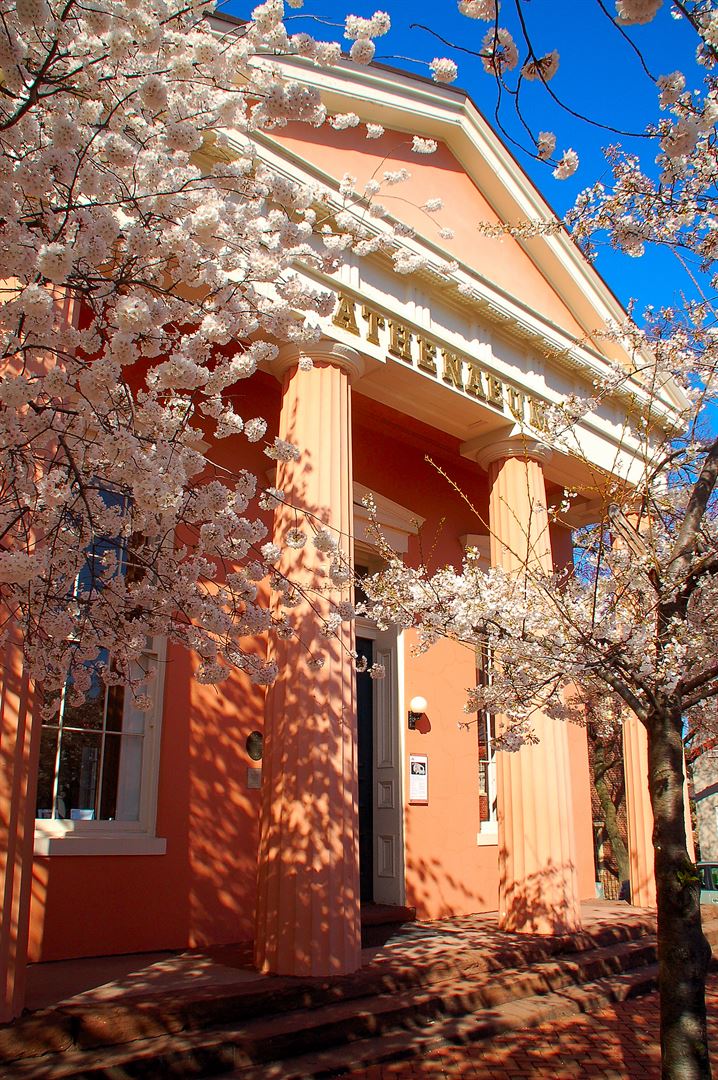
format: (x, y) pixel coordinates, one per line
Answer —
(417, 708)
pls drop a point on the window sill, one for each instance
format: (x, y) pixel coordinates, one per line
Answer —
(77, 844)
(488, 838)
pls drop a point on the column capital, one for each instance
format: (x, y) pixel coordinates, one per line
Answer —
(324, 351)
(489, 448)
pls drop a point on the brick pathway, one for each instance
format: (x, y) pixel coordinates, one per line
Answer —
(618, 1043)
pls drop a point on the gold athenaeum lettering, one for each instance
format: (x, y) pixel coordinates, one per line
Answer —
(452, 369)
(516, 402)
(376, 323)
(399, 340)
(344, 315)
(496, 391)
(537, 414)
(427, 356)
(474, 382)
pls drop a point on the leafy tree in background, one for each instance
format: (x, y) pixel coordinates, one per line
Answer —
(148, 258)
(632, 626)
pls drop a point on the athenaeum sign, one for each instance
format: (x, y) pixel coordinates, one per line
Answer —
(447, 366)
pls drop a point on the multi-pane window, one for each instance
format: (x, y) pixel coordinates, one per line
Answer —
(99, 758)
(91, 758)
(487, 771)
(486, 732)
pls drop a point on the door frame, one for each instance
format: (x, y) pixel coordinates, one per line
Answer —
(387, 713)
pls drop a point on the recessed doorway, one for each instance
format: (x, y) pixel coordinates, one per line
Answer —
(380, 757)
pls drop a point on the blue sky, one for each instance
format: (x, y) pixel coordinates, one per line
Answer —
(599, 76)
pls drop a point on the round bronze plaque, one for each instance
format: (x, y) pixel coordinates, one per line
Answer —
(255, 745)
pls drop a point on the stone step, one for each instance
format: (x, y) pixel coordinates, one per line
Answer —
(407, 1044)
(384, 922)
(386, 914)
(311, 1029)
(428, 955)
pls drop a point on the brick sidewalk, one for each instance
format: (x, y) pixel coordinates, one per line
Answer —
(618, 1043)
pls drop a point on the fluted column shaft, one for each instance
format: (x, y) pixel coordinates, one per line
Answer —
(639, 813)
(308, 915)
(19, 744)
(538, 882)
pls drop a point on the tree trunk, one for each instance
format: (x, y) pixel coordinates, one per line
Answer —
(609, 808)
(683, 952)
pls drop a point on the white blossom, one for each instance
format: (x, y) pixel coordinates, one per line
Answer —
(362, 51)
(443, 70)
(423, 146)
(545, 145)
(637, 11)
(281, 450)
(271, 552)
(324, 541)
(295, 538)
(498, 50)
(478, 9)
(543, 68)
(255, 429)
(567, 165)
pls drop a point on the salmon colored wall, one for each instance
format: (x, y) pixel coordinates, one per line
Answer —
(447, 873)
(202, 891)
(389, 456)
(500, 260)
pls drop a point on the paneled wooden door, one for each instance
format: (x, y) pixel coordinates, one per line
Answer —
(381, 819)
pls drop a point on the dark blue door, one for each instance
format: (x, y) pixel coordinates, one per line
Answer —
(365, 736)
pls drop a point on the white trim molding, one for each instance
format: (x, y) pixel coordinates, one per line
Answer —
(396, 522)
(64, 836)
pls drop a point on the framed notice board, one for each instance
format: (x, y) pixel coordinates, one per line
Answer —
(418, 779)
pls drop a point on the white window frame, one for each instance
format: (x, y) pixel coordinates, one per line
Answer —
(67, 837)
(488, 834)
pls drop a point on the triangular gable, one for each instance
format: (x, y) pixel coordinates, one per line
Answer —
(501, 260)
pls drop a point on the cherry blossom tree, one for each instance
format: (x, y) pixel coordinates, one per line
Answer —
(148, 258)
(632, 626)
(148, 261)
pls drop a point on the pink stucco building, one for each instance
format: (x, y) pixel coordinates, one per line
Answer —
(184, 829)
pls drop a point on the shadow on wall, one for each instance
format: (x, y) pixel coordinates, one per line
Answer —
(223, 811)
(202, 891)
(429, 888)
